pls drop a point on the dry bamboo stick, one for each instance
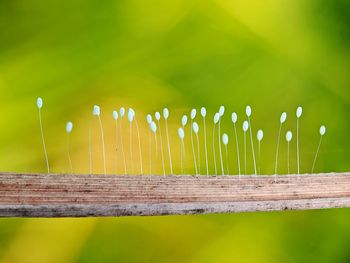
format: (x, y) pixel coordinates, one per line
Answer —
(59, 195)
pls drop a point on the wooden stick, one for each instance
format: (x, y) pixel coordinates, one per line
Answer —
(38, 195)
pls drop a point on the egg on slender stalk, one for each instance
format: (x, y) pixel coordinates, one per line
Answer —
(115, 117)
(181, 134)
(166, 116)
(245, 129)
(97, 112)
(204, 114)
(249, 113)
(122, 113)
(157, 116)
(216, 120)
(259, 136)
(234, 121)
(195, 130)
(153, 128)
(289, 136)
(299, 112)
(282, 120)
(322, 133)
(221, 114)
(39, 104)
(225, 142)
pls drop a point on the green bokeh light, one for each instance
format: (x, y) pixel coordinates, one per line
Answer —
(270, 54)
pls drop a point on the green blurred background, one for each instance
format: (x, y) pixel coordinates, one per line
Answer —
(273, 55)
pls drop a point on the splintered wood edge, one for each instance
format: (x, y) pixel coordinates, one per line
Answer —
(39, 195)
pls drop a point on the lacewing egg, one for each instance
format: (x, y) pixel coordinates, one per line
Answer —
(193, 113)
(245, 126)
(234, 117)
(115, 115)
(322, 130)
(283, 117)
(216, 117)
(39, 102)
(149, 118)
(248, 110)
(203, 112)
(260, 135)
(221, 111)
(130, 115)
(157, 115)
(96, 111)
(184, 120)
(122, 112)
(225, 139)
(299, 112)
(181, 133)
(165, 113)
(153, 127)
(69, 127)
(195, 127)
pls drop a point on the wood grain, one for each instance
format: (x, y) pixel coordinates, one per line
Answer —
(59, 195)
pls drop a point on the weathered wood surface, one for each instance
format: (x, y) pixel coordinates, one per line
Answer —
(39, 195)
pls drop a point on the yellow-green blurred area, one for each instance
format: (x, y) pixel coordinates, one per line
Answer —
(273, 55)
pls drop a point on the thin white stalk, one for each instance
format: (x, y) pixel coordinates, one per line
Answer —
(103, 146)
(131, 159)
(150, 152)
(215, 168)
(182, 153)
(288, 158)
(318, 149)
(237, 148)
(116, 146)
(156, 145)
(198, 151)
(193, 151)
(227, 166)
(205, 146)
(245, 154)
(298, 114)
(161, 147)
(278, 143)
(139, 140)
(220, 151)
(90, 151)
(155, 139)
(252, 144)
(69, 157)
(169, 150)
(298, 153)
(43, 141)
(122, 144)
(259, 157)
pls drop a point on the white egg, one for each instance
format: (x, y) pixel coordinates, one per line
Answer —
(248, 111)
(203, 112)
(69, 127)
(234, 117)
(245, 126)
(195, 127)
(39, 102)
(225, 139)
(260, 135)
(181, 133)
(283, 117)
(165, 113)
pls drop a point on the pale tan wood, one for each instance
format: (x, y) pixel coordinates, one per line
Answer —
(59, 195)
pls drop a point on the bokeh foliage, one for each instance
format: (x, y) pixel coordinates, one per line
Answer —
(274, 55)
